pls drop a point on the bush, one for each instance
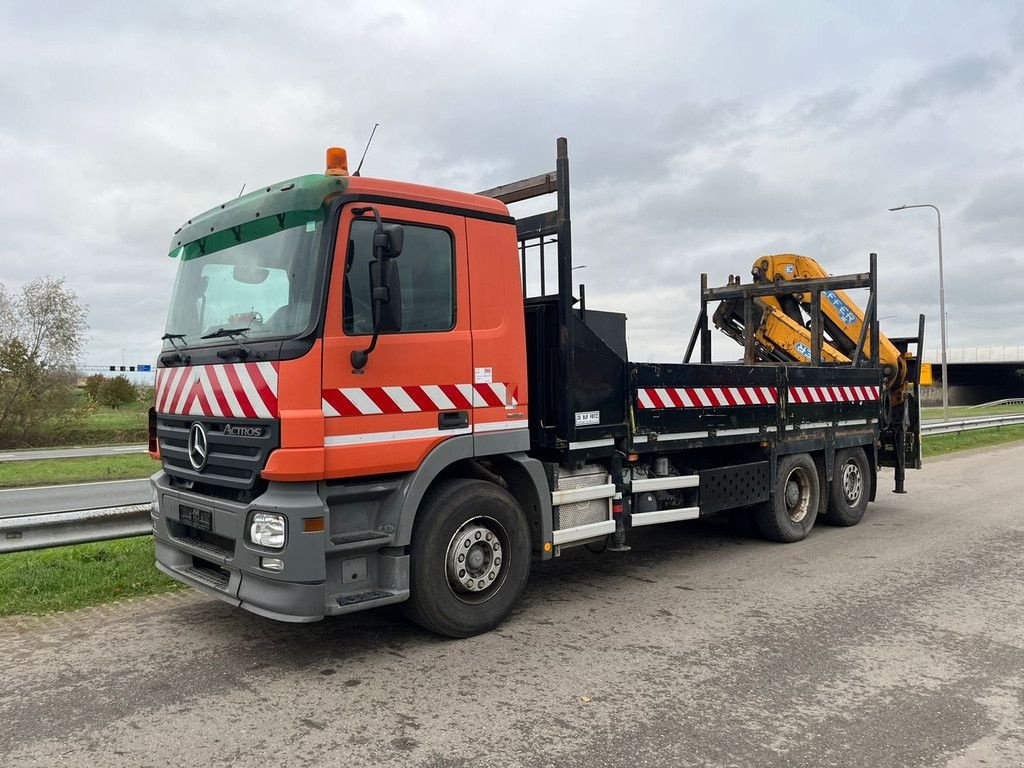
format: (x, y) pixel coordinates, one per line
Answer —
(93, 384)
(117, 391)
(30, 394)
(144, 393)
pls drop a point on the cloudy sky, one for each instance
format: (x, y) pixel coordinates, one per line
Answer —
(701, 135)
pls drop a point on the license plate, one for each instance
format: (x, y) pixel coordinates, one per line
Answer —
(196, 518)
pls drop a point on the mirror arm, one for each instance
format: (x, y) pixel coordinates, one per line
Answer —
(359, 357)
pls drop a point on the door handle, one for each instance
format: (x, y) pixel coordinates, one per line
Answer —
(453, 420)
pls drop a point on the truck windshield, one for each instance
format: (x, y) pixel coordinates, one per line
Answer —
(256, 280)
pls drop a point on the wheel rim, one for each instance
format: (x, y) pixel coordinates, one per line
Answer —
(475, 560)
(798, 494)
(853, 483)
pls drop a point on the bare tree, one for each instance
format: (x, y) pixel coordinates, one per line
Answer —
(42, 331)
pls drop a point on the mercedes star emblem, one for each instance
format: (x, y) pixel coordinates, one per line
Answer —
(197, 449)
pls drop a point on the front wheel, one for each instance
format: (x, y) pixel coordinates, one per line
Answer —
(850, 488)
(470, 558)
(790, 514)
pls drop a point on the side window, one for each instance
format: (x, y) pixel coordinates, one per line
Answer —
(427, 274)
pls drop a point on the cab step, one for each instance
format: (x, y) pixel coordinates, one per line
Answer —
(369, 599)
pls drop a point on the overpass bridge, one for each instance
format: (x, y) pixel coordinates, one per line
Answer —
(976, 374)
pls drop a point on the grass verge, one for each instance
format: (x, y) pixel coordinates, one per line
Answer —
(15, 474)
(65, 578)
(937, 445)
(966, 412)
(101, 426)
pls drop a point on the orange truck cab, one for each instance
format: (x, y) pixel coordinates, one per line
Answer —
(344, 419)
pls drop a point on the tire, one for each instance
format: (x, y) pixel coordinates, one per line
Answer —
(790, 513)
(469, 559)
(850, 488)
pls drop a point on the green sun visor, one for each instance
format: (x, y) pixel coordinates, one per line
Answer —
(285, 205)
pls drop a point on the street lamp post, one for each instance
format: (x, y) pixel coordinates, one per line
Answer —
(942, 307)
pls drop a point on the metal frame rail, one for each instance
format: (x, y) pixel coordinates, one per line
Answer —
(746, 293)
(531, 232)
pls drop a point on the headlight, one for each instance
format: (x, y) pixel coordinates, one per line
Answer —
(267, 530)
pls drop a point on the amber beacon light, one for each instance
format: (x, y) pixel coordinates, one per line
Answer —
(337, 161)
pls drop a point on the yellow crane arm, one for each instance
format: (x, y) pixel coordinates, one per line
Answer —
(778, 331)
(843, 319)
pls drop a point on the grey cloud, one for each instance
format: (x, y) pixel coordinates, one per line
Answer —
(999, 200)
(831, 110)
(961, 77)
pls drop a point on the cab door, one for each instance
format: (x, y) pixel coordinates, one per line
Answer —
(415, 390)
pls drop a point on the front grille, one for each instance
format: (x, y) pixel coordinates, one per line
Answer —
(233, 464)
(204, 540)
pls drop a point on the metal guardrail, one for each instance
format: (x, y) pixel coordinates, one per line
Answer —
(56, 529)
(1004, 401)
(964, 425)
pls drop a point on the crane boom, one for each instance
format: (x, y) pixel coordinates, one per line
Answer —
(781, 333)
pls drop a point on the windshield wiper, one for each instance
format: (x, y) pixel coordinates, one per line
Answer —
(236, 334)
(222, 332)
(173, 338)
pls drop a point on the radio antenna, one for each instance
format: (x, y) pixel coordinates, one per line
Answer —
(241, 190)
(360, 166)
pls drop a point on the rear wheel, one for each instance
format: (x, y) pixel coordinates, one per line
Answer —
(850, 488)
(470, 558)
(790, 514)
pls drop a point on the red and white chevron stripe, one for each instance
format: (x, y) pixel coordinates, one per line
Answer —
(367, 401)
(704, 397)
(238, 390)
(833, 394)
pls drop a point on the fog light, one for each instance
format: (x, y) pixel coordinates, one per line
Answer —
(154, 509)
(267, 530)
(272, 563)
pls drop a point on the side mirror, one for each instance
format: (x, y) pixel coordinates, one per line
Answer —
(385, 284)
(389, 238)
(387, 304)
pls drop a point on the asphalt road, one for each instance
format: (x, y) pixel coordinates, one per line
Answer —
(896, 643)
(15, 502)
(69, 453)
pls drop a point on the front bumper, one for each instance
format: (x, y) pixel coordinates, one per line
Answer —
(221, 561)
(340, 569)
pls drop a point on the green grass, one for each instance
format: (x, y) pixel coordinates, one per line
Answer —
(130, 466)
(937, 445)
(65, 578)
(101, 426)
